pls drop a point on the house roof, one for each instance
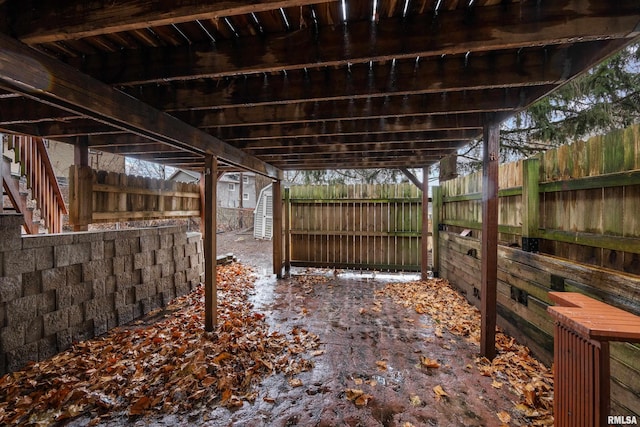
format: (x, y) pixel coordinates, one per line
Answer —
(278, 85)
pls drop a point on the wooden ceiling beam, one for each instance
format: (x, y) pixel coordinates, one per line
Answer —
(536, 67)
(506, 26)
(107, 142)
(413, 147)
(46, 22)
(490, 100)
(25, 110)
(359, 163)
(306, 142)
(358, 127)
(40, 77)
(361, 147)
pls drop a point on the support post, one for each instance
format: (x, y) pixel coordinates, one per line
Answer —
(276, 190)
(436, 194)
(1, 176)
(489, 274)
(287, 232)
(210, 203)
(424, 262)
(530, 204)
(81, 187)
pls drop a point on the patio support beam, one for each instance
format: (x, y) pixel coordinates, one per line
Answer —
(276, 189)
(81, 183)
(210, 285)
(424, 262)
(489, 244)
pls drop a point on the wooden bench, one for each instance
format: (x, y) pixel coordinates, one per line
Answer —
(583, 329)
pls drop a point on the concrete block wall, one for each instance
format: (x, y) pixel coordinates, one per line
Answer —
(58, 289)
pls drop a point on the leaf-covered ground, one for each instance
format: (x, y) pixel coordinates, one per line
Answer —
(513, 367)
(319, 349)
(166, 366)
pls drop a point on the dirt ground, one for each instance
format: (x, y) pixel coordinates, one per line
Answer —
(369, 345)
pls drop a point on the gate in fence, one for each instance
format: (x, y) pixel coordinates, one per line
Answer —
(369, 227)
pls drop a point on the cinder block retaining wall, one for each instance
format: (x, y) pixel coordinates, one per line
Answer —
(57, 289)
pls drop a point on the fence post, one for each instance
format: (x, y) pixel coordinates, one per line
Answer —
(530, 204)
(277, 228)
(436, 194)
(287, 232)
(424, 267)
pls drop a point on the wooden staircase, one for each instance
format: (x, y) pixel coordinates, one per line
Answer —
(31, 154)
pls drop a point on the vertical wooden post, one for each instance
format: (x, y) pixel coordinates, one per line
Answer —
(488, 295)
(530, 204)
(202, 204)
(424, 262)
(287, 232)
(1, 175)
(210, 204)
(276, 189)
(81, 183)
(436, 194)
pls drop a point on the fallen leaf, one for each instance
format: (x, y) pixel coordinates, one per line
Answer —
(415, 400)
(363, 400)
(504, 417)
(140, 406)
(439, 392)
(295, 382)
(382, 365)
(357, 396)
(496, 384)
(428, 363)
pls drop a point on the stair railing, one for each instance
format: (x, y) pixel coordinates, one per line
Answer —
(31, 153)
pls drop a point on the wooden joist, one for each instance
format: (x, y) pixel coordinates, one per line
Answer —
(518, 25)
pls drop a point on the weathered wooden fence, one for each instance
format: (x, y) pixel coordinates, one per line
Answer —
(98, 196)
(375, 227)
(569, 220)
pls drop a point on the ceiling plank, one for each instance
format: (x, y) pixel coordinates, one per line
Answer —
(25, 110)
(38, 76)
(46, 22)
(359, 127)
(452, 73)
(301, 142)
(506, 26)
(507, 99)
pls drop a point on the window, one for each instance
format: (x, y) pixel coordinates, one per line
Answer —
(232, 187)
(245, 179)
(245, 196)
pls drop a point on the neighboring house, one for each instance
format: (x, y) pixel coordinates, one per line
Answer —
(232, 192)
(182, 175)
(237, 190)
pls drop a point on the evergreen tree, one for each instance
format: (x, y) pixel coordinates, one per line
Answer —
(604, 99)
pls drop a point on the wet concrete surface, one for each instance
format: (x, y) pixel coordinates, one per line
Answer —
(361, 334)
(369, 343)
